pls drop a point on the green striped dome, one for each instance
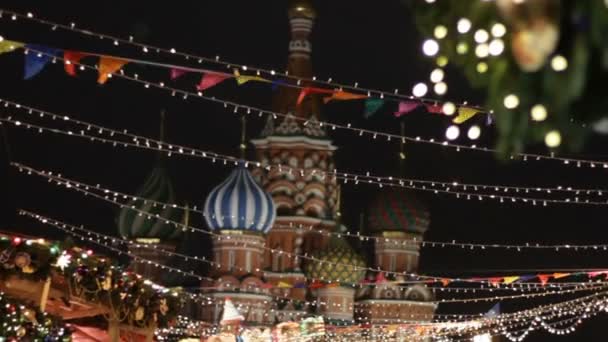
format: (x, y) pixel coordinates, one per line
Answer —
(398, 210)
(157, 187)
(338, 263)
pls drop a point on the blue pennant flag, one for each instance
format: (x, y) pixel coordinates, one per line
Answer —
(37, 57)
(494, 311)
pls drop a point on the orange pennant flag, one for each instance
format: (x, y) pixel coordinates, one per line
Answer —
(445, 281)
(544, 278)
(509, 280)
(343, 96)
(560, 275)
(107, 66)
(70, 59)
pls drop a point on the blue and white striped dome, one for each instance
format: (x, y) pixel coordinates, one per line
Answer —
(240, 203)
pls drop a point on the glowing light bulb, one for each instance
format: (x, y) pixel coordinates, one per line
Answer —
(538, 113)
(559, 63)
(452, 132)
(440, 31)
(437, 75)
(511, 101)
(482, 67)
(462, 48)
(553, 139)
(498, 30)
(463, 25)
(430, 47)
(474, 132)
(481, 36)
(497, 46)
(440, 88)
(442, 61)
(448, 108)
(482, 50)
(420, 90)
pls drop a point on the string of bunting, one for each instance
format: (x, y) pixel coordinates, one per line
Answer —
(60, 180)
(361, 132)
(506, 280)
(375, 97)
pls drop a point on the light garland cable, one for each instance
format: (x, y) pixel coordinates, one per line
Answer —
(372, 93)
(69, 227)
(374, 134)
(139, 141)
(60, 180)
(420, 278)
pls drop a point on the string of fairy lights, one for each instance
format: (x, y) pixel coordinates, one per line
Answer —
(497, 192)
(183, 226)
(98, 237)
(415, 241)
(236, 107)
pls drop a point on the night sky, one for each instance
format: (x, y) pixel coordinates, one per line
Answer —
(374, 43)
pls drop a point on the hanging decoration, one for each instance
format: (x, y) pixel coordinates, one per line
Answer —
(108, 66)
(71, 58)
(36, 60)
(211, 79)
(405, 107)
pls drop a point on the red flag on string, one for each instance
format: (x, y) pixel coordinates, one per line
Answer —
(445, 281)
(434, 108)
(311, 90)
(544, 278)
(70, 59)
(177, 72)
(211, 79)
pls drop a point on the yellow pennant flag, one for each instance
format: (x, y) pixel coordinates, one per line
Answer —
(464, 114)
(109, 65)
(242, 79)
(509, 280)
(9, 45)
(284, 285)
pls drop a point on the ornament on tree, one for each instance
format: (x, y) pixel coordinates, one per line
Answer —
(535, 30)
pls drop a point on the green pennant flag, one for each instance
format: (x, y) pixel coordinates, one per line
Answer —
(372, 106)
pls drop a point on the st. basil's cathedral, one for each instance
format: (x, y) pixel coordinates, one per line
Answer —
(276, 242)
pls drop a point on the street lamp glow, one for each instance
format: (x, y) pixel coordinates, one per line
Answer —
(452, 132)
(420, 90)
(430, 47)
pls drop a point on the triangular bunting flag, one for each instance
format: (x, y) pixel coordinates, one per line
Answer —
(509, 280)
(445, 281)
(434, 108)
(310, 90)
(284, 285)
(560, 275)
(37, 58)
(372, 106)
(109, 65)
(176, 73)
(464, 114)
(242, 79)
(524, 278)
(70, 58)
(406, 107)
(230, 313)
(494, 311)
(344, 96)
(495, 280)
(544, 278)
(300, 285)
(9, 46)
(380, 278)
(211, 79)
(596, 273)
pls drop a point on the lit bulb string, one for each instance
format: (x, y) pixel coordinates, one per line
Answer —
(420, 278)
(225, 159)
(360, 132)
(70, 229)
(217, 61)
(65, 226)
(311, 228)
(169, 149)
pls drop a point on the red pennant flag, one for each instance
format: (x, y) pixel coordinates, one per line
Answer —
(176, 72)
(316, 284)
(544, 278)
(310, 90)
(211, 79)
(380, 278)
(495, 280)
(434, 109)
(596, 273)
(70, 59)
(107, 66)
